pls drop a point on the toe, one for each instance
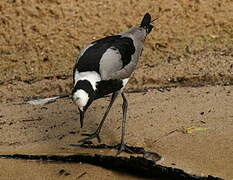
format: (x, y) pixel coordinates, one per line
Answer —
(90, 136)
(124, 148)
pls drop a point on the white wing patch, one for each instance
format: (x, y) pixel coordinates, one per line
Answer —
(91, 76)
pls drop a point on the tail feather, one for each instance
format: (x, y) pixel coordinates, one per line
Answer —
(146, 20)
(146, 23)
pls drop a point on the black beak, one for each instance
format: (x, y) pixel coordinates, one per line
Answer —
(81, 117)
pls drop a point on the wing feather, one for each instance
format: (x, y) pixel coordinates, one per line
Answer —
(106, 56)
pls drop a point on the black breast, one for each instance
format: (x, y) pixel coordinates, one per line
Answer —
(90, 59)
(107, 87)
(84, 85)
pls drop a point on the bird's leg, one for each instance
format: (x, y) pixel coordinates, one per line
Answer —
(96, 133)
(122, 145)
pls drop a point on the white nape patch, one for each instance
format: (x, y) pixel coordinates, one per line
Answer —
(91, 76)
(81, 98)
(125, 81)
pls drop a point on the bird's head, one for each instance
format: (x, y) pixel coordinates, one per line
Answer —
(83, 96)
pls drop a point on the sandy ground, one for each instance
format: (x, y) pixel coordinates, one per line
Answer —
(190, 127)
(192, 43)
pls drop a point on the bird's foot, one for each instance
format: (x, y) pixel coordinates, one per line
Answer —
(90, 136)
(122, 147)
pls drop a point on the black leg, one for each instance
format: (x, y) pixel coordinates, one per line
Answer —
(96, 133)
(124, 109)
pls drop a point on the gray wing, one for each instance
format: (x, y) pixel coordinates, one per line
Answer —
(138, 38)
(124, 72)
(111, 65)
(113, 57)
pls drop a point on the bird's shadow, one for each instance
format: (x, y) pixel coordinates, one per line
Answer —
(56, 124)
(129, 149)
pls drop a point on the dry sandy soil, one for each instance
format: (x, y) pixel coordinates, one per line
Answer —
(191, 128)
(192, 43)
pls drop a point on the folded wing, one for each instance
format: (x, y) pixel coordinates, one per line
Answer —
(106, 56)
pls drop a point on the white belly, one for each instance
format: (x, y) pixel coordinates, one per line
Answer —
(125, 81)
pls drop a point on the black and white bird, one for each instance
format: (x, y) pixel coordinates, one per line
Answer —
(104, 67)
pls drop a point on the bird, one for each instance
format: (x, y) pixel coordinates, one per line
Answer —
(104, 67)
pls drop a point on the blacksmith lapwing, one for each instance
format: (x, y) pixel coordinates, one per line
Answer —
(104, 67)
